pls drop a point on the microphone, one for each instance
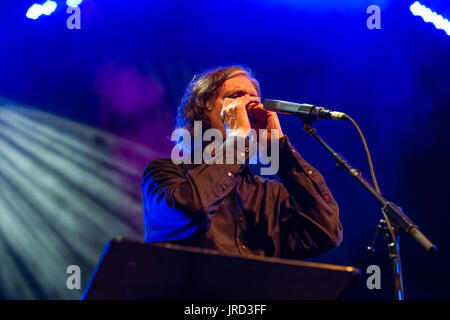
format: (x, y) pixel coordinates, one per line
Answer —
(303, 110)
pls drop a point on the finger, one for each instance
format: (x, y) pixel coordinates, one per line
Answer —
(237, 103)
(229, 103)
(257, 108)
(255, 105)
(252, 100)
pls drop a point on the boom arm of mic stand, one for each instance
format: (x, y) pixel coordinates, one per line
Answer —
(400, 219)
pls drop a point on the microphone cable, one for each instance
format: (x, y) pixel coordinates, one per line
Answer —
(369, 158)
(372, 173)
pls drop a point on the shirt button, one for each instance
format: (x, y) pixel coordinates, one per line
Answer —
(229, 174)
(244, 247)
(246, 149)
(310, 172)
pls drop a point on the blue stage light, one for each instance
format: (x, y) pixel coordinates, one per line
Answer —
(428, 15)
(36, 10)
(73, 3)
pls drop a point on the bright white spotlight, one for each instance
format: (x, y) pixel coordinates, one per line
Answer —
(428, 15)
(36, 10)
(73, 3)
(48, 7)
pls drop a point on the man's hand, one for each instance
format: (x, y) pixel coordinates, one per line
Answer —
(234, 115)
(261, 118)
(244, 113)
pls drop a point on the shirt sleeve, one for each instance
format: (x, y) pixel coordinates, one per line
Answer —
(309, 215)
(180, 201)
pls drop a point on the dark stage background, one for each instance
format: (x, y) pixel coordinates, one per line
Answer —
(83, 111)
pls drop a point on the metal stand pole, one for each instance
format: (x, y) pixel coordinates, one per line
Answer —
(394, 223)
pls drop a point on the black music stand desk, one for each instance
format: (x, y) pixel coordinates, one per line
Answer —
(133, 270)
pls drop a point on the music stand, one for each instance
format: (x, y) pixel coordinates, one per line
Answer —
(133, 270)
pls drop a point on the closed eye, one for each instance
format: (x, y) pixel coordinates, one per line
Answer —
(236, 94)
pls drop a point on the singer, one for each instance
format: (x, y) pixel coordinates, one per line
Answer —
(224, 206)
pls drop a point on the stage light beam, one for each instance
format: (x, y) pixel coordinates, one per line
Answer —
(428, 15)
(64, 192)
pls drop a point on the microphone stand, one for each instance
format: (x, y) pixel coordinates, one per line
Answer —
(395, 221)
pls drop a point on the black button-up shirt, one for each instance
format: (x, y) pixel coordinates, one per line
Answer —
(227, 208)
